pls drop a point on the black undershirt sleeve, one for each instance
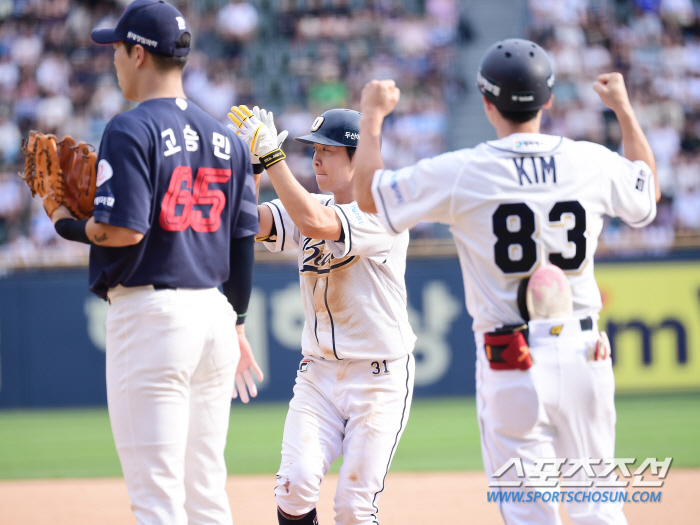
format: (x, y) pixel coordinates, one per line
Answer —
(240, 282)
(73, 230)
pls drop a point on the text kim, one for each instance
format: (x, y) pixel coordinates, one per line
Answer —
(535, 170)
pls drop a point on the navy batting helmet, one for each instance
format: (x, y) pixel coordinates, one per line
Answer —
(516, 75)
(336, 127)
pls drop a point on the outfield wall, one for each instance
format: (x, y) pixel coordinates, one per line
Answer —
(52, 334)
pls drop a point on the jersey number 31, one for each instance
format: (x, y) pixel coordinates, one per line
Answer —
(188, 196)
(522, 260)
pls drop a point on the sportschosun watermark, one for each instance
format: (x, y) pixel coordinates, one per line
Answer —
(556, 477)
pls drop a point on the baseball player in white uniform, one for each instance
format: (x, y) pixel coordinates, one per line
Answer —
(518, 207)
(355, 382)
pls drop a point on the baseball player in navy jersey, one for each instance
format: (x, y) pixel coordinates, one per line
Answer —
(355, 382)
(175, 217)
(527, 205)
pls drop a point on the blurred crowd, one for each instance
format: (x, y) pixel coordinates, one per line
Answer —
(655, 44)
(299, 58)
(331, 53)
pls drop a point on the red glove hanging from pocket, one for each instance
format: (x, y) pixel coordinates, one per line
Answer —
(507, 348)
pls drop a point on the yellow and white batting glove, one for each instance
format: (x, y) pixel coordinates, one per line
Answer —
(261, 140)
(267, 118)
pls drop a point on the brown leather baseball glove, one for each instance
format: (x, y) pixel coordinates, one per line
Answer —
(61, 173)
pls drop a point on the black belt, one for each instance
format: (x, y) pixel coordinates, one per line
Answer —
(168, 287)
(586, 324)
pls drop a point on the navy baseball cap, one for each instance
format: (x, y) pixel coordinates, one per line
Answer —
(154, 24)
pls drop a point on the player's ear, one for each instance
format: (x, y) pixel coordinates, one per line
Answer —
(488, 105)
(549, 102)
(140, 55)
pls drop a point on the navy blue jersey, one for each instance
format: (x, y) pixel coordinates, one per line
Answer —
(170, 171)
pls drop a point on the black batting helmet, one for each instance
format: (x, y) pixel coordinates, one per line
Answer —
(516, 75)
(336, 127)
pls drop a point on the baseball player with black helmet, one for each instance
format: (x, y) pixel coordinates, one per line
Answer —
(355, 382)
(527, 205)
(175, 217)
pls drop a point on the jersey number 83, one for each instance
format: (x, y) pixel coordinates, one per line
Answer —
(516, 250)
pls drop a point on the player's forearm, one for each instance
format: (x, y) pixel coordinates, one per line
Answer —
(265, 222)
(111, 236)
(368, 159)
(634, 142)
(311, 218)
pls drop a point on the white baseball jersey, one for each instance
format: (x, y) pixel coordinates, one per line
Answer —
(353, 290)
(516, 203)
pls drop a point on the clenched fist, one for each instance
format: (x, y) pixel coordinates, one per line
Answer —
(611, 90)
(379, 98)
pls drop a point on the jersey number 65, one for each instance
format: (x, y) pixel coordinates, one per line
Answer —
(188, 196)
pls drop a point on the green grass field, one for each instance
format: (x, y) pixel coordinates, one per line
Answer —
(442, 435)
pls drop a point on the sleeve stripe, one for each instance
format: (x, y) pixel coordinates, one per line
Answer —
(381, 197)
(651, 193)
(349, 229)
(248, 194)
(250, 184)
(247, 222)
(249, 207)
(643, 222)
(281, 223)
(244, 232)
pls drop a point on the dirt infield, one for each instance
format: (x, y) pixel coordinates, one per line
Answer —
(449, 498)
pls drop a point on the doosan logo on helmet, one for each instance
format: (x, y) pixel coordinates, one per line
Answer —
(352, 135)
(486, 85)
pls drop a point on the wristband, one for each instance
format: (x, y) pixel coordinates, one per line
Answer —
(258, 169)
(269, 159)
(73, 230)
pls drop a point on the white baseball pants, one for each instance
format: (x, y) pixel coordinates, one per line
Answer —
(562, 407)
(171, 361)
(357, 409)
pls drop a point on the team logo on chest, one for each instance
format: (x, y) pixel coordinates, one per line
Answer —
(317, 260)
